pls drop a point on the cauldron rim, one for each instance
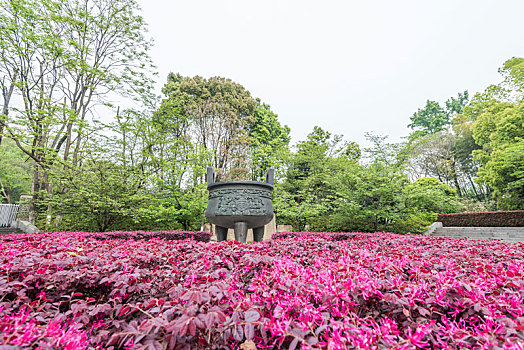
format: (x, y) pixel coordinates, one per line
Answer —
(250, 183)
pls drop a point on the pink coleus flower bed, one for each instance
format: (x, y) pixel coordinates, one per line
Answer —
(296, 291)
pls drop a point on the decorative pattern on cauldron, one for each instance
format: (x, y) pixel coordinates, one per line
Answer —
(240, 205)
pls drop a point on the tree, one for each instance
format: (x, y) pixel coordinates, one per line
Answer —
(299, 209)
(428, 194)
(269, 144)
(455, 106)
(174, 158)
(306, 194)
(505, 173)
(494, 121)
(214, 115)
(327, 188)
(512, 87)
(391, 154)
(442, 145)
(15, 177)
(498, 130)
(369, 197)
(312, 190)
(463, 147)
(101, 196)
(116, 186)
(353, 151)
(434, 155)
(60, 59)
(433, 118)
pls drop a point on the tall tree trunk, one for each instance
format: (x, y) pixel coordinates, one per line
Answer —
(477, 196)
(48, 188)
(6, 94)
(35, 188)
(4, 192)
(455, 176)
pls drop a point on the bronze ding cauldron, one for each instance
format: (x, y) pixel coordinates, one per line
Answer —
(240, 205)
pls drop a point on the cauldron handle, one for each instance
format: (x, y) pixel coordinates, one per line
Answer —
(210, 175)
(270, 177)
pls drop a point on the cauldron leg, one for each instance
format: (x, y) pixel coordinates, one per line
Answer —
(241, 231)
(221, 233)
(258, 233)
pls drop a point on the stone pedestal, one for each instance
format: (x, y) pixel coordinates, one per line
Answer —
(269, 229)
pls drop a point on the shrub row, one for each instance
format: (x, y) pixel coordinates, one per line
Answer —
(147, 235)
(513, 218)
(338, 236)
(135, 235)
(308, 291)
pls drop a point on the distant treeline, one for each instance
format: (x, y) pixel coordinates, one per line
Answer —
(62, 66)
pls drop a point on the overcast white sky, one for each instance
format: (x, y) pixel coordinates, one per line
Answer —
(347, 66)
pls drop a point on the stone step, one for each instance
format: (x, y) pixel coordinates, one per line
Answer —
(482, 237)
(479, 236)
(509, 234)
(481, 233)
(511, 240)
(456, 230)
(481, 229)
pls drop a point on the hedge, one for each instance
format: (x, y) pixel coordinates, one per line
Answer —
(513, 218)
(135, 235)
(332, 236)
(147, 235)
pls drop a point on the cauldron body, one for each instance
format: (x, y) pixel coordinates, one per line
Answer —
(240, 205)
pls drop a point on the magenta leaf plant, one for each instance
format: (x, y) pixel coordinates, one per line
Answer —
(178, 290)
